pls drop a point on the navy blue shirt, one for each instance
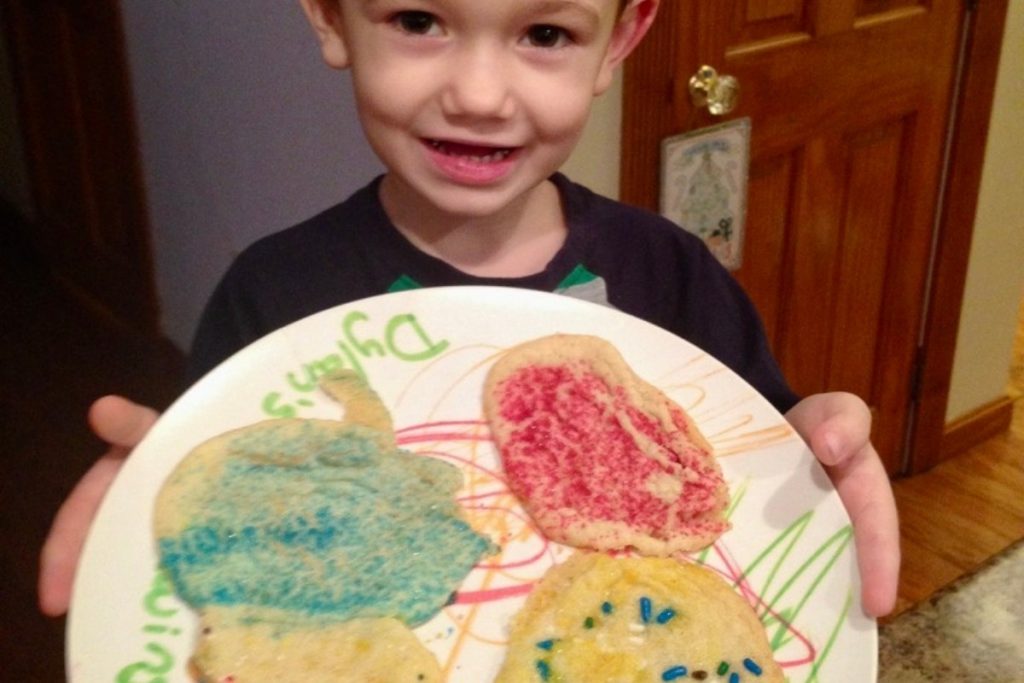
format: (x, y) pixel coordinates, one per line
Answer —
(634, 260)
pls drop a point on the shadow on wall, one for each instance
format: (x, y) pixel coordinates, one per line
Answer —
(1016, 383)
(243, 130)
(1015, 386)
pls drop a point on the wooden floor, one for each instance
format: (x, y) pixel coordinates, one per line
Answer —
(965, 510)
(57, 358)
(961, 513)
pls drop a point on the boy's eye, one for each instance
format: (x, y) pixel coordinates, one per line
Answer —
(415, 22)
(544, 35)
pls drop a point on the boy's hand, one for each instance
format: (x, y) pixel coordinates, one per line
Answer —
(837, 426)
(122, 424)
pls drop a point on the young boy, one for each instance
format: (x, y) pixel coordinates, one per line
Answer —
(473, 106)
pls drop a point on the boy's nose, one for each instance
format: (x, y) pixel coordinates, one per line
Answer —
(478, 87)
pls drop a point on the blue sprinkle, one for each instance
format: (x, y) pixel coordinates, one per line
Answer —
(546, 644)
(607, 607)
(752, 667)
(543, 669)
(734, 677)
(666, 615)
(645, 609)
(674, 673)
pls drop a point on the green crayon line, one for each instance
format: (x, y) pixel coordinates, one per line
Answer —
(794, 531)
(820, 660)
(842, 537)
(741, 491)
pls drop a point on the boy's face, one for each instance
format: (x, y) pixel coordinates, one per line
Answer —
(473, 103)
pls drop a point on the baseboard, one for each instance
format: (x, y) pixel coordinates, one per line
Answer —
(981, 424)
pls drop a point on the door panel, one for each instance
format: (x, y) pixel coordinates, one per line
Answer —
(77, 116)
(849, 102)
(756, 21)
(770, 198)
(868, 223)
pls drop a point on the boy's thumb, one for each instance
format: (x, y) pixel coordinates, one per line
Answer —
(120, 422)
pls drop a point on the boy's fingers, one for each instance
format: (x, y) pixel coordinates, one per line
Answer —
(122, 424)
(879, 563)
(835, 425)
(119, 421)
(63, 545)
(846, 433)
(864, 488)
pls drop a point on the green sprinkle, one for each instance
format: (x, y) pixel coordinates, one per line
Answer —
(722, 668)
(588, 622)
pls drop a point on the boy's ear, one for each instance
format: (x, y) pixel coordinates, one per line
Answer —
(632, 26)
(325, 18)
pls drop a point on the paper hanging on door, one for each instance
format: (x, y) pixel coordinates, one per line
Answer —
(704, 186)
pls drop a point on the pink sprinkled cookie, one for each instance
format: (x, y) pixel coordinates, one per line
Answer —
(600, 458)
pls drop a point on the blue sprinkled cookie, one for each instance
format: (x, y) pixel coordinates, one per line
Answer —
(288, 535)
(636, 620)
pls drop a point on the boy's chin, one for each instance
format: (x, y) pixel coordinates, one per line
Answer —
(473, 207)
(476, 202)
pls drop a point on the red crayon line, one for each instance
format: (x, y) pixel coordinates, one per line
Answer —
(443, 436)
(480, 496)
(492, 594)
(739, 578)
(446, 423)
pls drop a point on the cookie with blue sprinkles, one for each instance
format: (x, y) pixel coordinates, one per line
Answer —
(310, 548)
(634, 620)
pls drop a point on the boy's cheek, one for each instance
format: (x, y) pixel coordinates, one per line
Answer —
(563, 114)
(557, 104)
(393, 88)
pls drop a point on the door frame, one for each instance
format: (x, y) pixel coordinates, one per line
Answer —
(928, 441)
(648, 76)
(138, 309)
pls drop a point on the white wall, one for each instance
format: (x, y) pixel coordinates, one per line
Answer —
(995, 277)
(243, 131)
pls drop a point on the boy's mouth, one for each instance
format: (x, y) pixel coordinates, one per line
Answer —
(480, 154)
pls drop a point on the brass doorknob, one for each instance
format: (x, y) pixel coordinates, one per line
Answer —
(719, 93)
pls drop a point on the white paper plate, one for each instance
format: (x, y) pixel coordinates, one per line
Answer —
(426, 353)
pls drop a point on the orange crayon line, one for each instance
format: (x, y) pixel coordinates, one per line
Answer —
(464, 629)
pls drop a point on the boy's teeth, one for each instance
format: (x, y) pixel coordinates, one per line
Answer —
(475, 153)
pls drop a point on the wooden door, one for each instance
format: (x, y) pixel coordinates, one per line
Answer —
(849, 102)
(76, 113)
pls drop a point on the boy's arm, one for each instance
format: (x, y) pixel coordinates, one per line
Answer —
(837, 426)
(122, 424)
